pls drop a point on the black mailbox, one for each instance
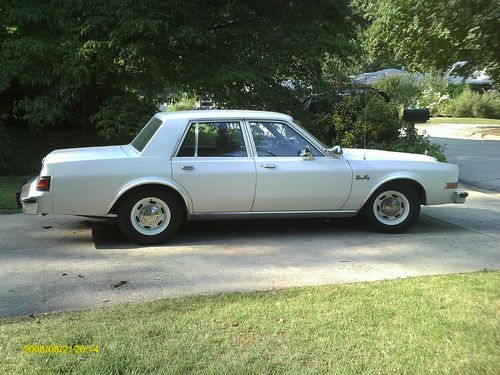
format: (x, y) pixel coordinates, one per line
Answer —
(414, 116)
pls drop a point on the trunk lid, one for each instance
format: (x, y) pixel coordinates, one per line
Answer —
(86, 153)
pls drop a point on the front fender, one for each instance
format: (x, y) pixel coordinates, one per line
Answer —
(363, 189)
(395, 177)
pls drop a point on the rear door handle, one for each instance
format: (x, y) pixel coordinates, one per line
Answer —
(187, 167)
(270, 166)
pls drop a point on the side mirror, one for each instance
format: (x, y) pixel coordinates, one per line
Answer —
(306, 153)
(337, 150)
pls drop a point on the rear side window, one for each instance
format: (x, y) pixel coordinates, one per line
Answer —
(214, 139)
(141, 140)
(188, 146)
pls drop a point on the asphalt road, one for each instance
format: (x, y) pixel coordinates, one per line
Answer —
(59, 263)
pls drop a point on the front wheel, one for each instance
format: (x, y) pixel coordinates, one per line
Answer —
(150, 216)
(393, 208)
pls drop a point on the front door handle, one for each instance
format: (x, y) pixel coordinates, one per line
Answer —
(270, 166)
(187, 167)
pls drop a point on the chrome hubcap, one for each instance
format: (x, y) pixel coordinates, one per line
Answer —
(150, 216)
(391, 207)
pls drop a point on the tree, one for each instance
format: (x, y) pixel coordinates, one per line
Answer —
(433, 34)
(107, 64)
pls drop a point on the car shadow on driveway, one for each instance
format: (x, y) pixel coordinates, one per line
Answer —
(106, 235)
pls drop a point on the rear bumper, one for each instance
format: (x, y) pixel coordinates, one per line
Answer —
(459, 196)
(33, 201)
(26, 199)
(30, 205)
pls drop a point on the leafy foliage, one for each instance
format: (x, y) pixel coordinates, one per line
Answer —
(5, 149)
(434, 92)
(475, 104)
(426, 35)
(367, 120)
(404, 90)
(183, 103)
(109, 64)
(423, 91)
(416, 143)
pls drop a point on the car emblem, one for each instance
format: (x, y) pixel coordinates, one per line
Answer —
(365, 177)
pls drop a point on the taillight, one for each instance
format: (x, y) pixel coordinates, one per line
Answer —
(43, 183)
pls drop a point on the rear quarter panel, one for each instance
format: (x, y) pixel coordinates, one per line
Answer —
(89, 187)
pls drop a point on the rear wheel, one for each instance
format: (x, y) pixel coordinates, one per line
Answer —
(393, 208)
(150, 216)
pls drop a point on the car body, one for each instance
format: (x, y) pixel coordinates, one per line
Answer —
(235, 164)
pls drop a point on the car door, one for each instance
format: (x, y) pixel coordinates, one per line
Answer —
(214, 166)
(289, 182)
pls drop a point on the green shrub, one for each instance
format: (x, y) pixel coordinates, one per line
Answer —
(183, 104)
(434, 92)
(5, 150)
(351, 118)
(39, 113)
(405, 90)
(428, 91)
(122, 116)
(456, 90)
(475, 104)
(413, 142)
(370, 117)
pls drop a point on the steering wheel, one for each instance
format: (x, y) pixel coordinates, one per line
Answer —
(304, 149)
(272, 144)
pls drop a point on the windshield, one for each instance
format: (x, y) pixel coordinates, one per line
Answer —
(141, 140)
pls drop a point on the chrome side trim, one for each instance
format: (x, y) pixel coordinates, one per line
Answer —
(271, 214)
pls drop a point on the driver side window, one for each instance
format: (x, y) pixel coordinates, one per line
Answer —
(278, 139)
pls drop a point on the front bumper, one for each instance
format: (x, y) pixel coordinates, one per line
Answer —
(459, 196)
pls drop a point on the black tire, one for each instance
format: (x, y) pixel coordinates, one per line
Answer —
(394, 194)
(132, 231)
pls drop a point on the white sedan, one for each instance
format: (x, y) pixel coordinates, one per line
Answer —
(235, 164)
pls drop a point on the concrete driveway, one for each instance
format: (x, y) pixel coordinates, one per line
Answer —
(58, 263)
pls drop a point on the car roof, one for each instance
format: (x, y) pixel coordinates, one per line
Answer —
(222, 114)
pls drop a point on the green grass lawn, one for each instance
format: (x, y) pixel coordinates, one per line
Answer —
(422, 325)
(9, 185)
(464, 120)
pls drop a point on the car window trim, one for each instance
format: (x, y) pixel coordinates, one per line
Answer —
(197, 122)
(296, 128)
(196, 134)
